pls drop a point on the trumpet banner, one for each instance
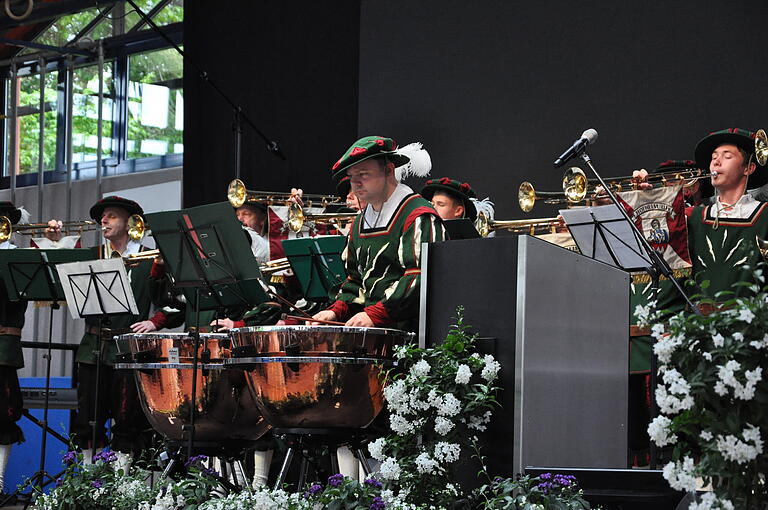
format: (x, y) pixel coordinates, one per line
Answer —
(660, 215)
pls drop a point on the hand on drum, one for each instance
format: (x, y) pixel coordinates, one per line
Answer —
(360, 320)
(325, 315)
(143, 327)
(53, 231)
(223, 324)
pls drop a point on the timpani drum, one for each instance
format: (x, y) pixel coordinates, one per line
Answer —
(163, 368)
(316, 376)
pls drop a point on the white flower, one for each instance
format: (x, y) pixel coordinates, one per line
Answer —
(443, 425)
(734, 449)
(665, 346)
(447, 452)
(420, 369)
(426, 464)
(390, 469)
(681, 476)
(657, 330)
(658, 430)
(718, 340)
(643, 313)
(491, 368)
(746, 315)
(760, 344)
(709, 501)
(376, 449)
(401, 351)
(706, 435)
(401, 425)
(727, 379)
(463, 374)
(449, 405)
(707, 356)
(478, 422)
(738, 337)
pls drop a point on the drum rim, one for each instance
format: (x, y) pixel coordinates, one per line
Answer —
(174, 334)
(324, 329)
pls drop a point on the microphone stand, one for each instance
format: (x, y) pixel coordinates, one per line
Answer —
(658, 267)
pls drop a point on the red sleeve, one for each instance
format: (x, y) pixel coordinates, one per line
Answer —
(158, 271)
(689, 211)
(341, 309)
(416, 213)
(159, 319)
(238, 324)
(378, 314)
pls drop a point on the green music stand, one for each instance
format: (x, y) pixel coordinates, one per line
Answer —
(28, 274)
(317, 263)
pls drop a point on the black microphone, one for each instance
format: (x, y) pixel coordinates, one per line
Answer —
(587, 137)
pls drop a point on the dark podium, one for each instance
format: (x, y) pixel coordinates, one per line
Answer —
(558, 323)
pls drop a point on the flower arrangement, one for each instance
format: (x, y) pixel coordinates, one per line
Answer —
(545, 492)
(712, 396)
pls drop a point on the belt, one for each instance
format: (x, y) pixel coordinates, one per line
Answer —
(108, 333)
(10, 331)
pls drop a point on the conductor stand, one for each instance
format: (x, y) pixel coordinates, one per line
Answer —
(30, 276)
(212, 263)
(100, 289)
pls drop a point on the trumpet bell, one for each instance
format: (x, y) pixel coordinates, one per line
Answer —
(236, 193)
(296, 217)
(575, 184)
(136, 227)
(483, 224)
(6, 229)
(526, 197)
(761, 147)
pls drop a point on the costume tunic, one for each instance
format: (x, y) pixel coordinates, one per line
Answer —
(11, 358)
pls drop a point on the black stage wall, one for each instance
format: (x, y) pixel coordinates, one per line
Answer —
(293, 66)
(497, 89)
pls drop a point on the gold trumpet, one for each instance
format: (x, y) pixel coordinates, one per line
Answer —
(143, 255)
(761, 147)
(7, 228)
(527, 197)
(297, 218)
(237, 195)
(485, 226)
(274, 266)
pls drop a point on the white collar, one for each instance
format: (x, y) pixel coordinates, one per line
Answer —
(7, 245)
(378, 219)
(132, 248)
(742, 209)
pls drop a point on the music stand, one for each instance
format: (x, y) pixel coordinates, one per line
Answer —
(317, 263)
(461, 228)
(211, 261)
(97, 288)
(28, 275)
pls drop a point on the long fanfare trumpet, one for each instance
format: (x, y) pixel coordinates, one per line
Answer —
(7, 228)
(274, 266)
(237, 194)
(761, 147)
(577, 188)
(297, 218)
(485, 226)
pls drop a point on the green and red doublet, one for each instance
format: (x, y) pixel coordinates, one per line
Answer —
(11, 316)
(384, 265)
(725, 251)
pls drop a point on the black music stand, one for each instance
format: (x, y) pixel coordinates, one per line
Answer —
(461, 228)
(98, 288)
(29, 275)
(317, 263)
(205, 251)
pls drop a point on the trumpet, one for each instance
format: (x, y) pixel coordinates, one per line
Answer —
(761, 147)
(237, 195)
(485, 226)
(527, 196)
(7, 228)
(143, 255)
(274, 266)
(577, 187)
(297, 218)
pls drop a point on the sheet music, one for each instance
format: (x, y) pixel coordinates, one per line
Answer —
(97, 287)
(602, 233)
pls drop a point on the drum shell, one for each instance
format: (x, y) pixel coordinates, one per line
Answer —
(317, 376)
(155, 347)
(225, 406)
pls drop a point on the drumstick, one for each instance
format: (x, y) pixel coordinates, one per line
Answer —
(310, 319)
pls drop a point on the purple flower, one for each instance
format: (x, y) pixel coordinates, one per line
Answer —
(210, 472)
(545, 487)
(378, 503)
(96, 484)
(59, 481)
(336, 480)
(69, 457)
(373, 482)
(195, 460)
(314, 489)
(106, 457)
(545, 476)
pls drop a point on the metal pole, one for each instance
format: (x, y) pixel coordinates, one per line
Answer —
(69, 136)
(99, 121)
(41, 144)
(13, 131)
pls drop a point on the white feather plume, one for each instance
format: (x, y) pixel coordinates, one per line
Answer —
(484, 206)
(419, 165)
(25, 215)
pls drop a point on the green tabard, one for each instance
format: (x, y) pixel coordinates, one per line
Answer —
(720, 254)
(141, 284)
(11, 316)
(384, 264)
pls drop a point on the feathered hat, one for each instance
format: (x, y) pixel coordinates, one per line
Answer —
(411, 160)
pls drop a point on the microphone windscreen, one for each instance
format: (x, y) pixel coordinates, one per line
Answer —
(590, 135)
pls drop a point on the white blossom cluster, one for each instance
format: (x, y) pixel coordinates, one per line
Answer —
(491, 368)
(165, 501)
(426, 465)
(479, 422)
(420, 369)
(390, 469)
(665, 344)
(262, 498)
(659, 432)
(645, 314)
(726, 375)
(681, 476)
(463, 374)
(760, 344)
(734, 449)
(709, 501)
(674, 395)
(447, 452)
